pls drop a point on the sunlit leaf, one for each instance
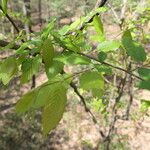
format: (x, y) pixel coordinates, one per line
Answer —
(102, 56)
(144, 73)
(30, 67)
(55, 69)
(133, 49)
(144, 84)
(92, 81)
(103, 69)
(47, 52)
(54, 110)
(8, 69)
(145, 104)
(108, 46)
(73, 59)
(26, 102)
(99, 28)
(4, 5)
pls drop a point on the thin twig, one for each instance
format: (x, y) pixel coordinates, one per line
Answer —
(100, 3)
(86, 108)
(112, 66)
(3, 43)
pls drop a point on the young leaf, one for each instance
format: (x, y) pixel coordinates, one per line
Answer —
(133, 49)
(144, 73)
(76, 59)
(92, 81)
(29, 68)
(64, 30)
(102, 56)
(54, 110)
(108, 46)
(104, 69)
(51, 96)
(145, 104)
(144, 84)
(4, 5)
(46, 31)
(26, 102)
(98, 105)
(8, 69)
(21, 49)
(47, 92)
(55, 69)
(47, 52)
(76, 23)
(73, 59)
(99, 27)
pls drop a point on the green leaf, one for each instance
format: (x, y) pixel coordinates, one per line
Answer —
(97, 92)
(54, 110)
(92, 81)
(55, 69)
(104, 69)
(76, 59)
(30, 67)
(99, 28)
(73, 59)
(76, 23)
(4, 5)
(47, 92)
(47, 30)
(144, 85)
(98, 105)
(47, 52)
(145, 104)
(26, 102)
(21, 49)
(8, 69)
(51, 96)
(102, 56)
(71, 45)
(95, 11)
(108, 46)
(144, 73)
(101, 9)
(64, 30)
(133, 49)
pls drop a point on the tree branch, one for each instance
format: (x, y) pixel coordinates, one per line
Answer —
(100, 3)
(85, 107)
(10, 20)
(4, 43)
(112, 66)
